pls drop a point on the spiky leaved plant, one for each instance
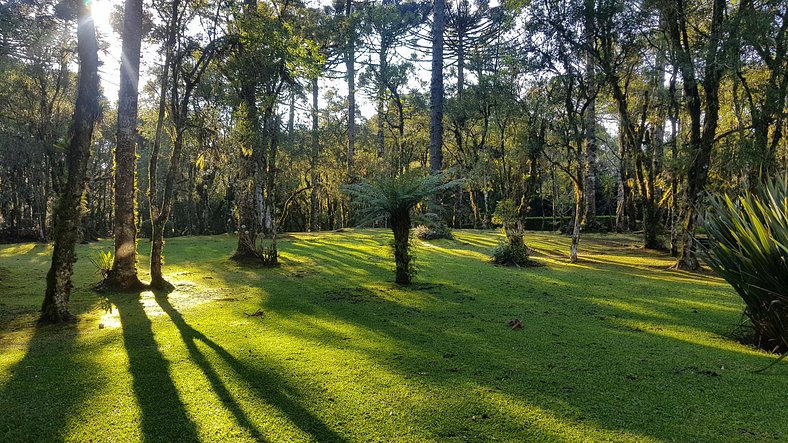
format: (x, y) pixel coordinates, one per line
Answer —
(748, 247)
(394, 198)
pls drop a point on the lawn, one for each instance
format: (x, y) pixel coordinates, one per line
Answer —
(328, 348)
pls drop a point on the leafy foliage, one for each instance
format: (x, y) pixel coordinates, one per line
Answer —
(512, 252)
(749, 248)
(390, 197)
(103, 262)
(393, 198)
(433, 231)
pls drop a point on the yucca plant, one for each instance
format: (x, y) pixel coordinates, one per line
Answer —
(394, 198)
(748, 247)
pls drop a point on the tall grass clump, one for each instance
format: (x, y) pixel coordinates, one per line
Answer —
(748, 247)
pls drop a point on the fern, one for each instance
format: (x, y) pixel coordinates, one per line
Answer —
(394, 198)
(103, 262)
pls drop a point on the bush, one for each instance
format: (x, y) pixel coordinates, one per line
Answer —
(748, 247)
(424, 232)
(512, 252)
(264, 255)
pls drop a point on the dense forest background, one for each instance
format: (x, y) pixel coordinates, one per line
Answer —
(587, 114)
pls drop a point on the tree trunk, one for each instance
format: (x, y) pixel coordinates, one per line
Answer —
(156, 261)
(701, 137)
(589, 213)
(313, 194)
(576, 225)
(436, 88)
(248, 213)
(157, 229)
(124, 268)
(400, 226)
(381, 98)
(350, 60)
(55, 306)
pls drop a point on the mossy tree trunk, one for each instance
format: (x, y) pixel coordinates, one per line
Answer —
(703, 119)
(67, 217)
(248, 217)
(314, 203)
(124, 267)
(400, 226)
(436, 88)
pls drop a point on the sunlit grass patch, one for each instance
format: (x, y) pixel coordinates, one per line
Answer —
(328, 348)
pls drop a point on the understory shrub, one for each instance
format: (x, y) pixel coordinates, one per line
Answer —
(432, 232)
(511, 252)
(748, 247)
(264, 254)
(103, 262)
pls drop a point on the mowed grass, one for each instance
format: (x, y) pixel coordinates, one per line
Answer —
(328, 348)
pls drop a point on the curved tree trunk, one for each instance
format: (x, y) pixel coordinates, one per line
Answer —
(86, 112)
(124, 268)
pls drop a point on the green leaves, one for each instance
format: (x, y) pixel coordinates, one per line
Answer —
(749, 249)
(393, 196)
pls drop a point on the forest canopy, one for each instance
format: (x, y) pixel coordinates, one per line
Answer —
(252, 117)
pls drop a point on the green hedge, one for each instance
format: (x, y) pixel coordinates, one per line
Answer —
(608, 223)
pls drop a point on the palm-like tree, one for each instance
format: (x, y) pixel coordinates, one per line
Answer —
(394, 198)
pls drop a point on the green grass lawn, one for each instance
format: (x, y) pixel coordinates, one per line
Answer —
(614, 348)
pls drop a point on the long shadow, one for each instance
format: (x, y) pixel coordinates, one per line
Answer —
(164, 416)
(266, 385)
(571, 345)
(46, 388)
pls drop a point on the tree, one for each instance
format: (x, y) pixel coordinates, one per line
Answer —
(393, 198)
(703, 112)
(436, 87)
(123, 274)
(67, 216)
(188, 62)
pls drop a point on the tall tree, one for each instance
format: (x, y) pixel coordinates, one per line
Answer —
(248, 221)
(436, 87)
(67, 217)
(123, 274)
(189, 62)
(703, 110)
(589, 213)
(350, 74)
(314, 192)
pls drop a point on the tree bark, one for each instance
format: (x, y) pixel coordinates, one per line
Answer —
(246, 195)
(589, 213)
(436, 88)
(124, 268)
(400, 226)
(350, 66)
(703, 120)
(313, 194)
(55, 306)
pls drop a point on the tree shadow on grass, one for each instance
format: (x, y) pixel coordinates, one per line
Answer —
(164, 416)
(599, 363)
(45, 388)
(267, 386)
